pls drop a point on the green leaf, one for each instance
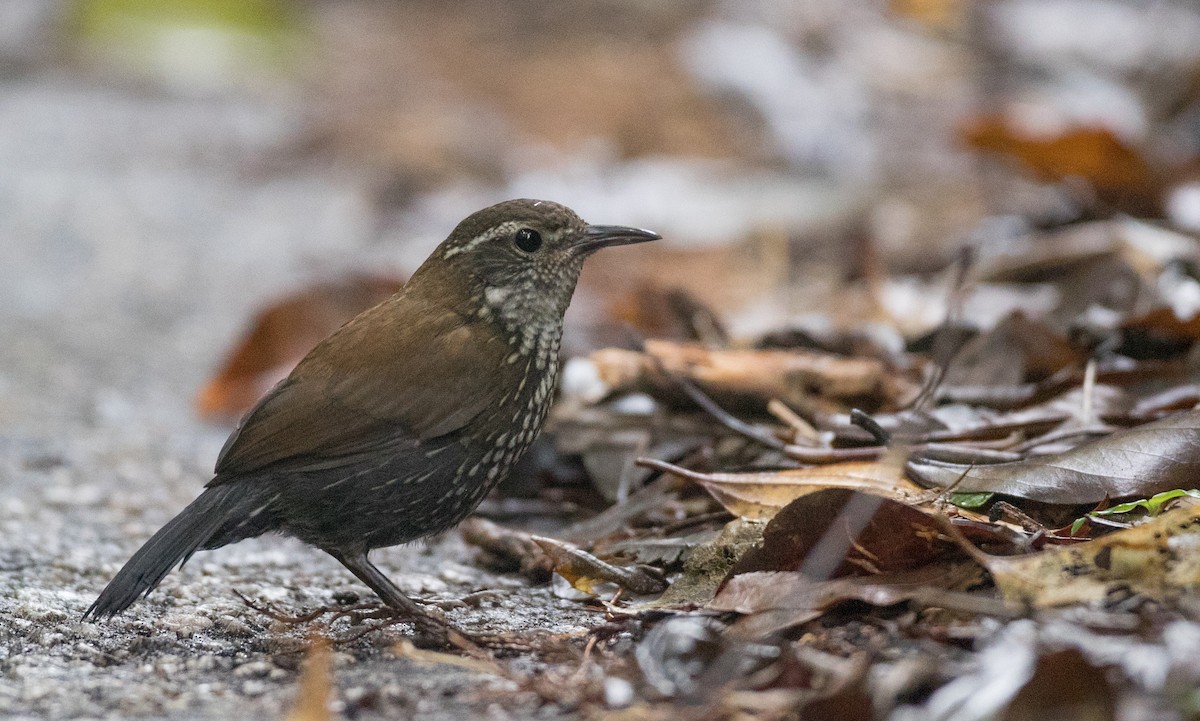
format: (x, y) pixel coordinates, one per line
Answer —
(971, 501)
(1152, 506)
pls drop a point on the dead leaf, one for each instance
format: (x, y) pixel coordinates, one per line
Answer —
(1139, 462)
(1159, 559)
(799, 378)
(1066, 686)
(661, 552)
(1159, 334)
(708, 565)
(281, 335)
(763, 494)
(837, 532)
(1018, 350)
(584, 571)
(1117, 173)
(805, 598)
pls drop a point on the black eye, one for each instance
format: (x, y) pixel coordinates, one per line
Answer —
(528, 239)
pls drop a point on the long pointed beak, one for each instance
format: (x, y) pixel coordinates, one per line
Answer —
(602, 236)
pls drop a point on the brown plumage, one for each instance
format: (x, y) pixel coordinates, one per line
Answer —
(397, 425)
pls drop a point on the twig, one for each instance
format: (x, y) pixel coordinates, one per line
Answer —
(821, 456)
(710, 406)
(946, 347)
(723, 416)
(1089, 387)
(864, 421)
(786, 415)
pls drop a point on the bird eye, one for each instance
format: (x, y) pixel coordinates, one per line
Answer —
(528, 239)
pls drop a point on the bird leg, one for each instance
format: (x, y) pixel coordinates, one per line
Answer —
(435, 631)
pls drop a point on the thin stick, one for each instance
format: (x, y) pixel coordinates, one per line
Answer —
(789, 417)
(726, 419)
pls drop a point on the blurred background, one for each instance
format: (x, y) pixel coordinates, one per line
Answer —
(193, 192)
(170, 168)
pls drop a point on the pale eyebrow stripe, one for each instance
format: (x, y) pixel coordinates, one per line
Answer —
(496, 232)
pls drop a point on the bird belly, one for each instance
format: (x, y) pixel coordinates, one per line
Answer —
(378, 502)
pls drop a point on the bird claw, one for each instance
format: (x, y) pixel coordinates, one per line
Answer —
(435, 632)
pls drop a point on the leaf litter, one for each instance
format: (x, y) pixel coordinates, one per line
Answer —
(773, 548)
(954, 503)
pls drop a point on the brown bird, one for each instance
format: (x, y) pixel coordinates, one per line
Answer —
(397, 425)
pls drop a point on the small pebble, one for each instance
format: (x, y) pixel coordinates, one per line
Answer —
(618, 693)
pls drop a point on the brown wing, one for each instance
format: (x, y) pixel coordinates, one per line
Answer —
(384, 379)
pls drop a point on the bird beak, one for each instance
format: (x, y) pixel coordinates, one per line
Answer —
(596, 237)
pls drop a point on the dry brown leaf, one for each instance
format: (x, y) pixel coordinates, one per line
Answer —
(840, 545)
(583, 570)
(1117, 173)
(281, 335)
(658, 311)
(1019, 349)
(799, 378)
(761, 591)
(708, 565)
(1159, 559)
(1064, 685)
(1158, 334)
(763, 494)
(838, 532)
(315, 685)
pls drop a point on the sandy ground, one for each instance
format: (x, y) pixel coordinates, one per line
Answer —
(135, 243)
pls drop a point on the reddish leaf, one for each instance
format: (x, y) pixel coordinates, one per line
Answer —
(1117, 173)
(1159, 334)
(837, 532)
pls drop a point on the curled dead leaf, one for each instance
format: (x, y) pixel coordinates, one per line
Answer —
(584, 571)
(1136, 462)
(763, 494)
(805, 598)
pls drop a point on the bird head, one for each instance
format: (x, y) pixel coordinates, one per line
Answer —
(520, 259)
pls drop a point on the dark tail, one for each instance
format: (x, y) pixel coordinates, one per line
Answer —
(194, 528)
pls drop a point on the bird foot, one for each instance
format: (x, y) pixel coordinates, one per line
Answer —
(431, 630)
